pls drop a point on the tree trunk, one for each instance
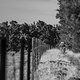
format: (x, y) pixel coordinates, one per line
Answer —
(0, 54)
(28, 60)
(3, 59)
(22, 59)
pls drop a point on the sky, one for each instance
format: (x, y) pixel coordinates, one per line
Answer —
(29, 11)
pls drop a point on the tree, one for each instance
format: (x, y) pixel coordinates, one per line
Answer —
(69, 15)
(49, 34)
(14, 36)
(19, 37)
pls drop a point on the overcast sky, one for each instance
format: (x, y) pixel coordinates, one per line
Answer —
(28, 10)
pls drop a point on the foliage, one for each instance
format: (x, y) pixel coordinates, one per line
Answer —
(49, 34)
(14, 32)
(69, 28)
